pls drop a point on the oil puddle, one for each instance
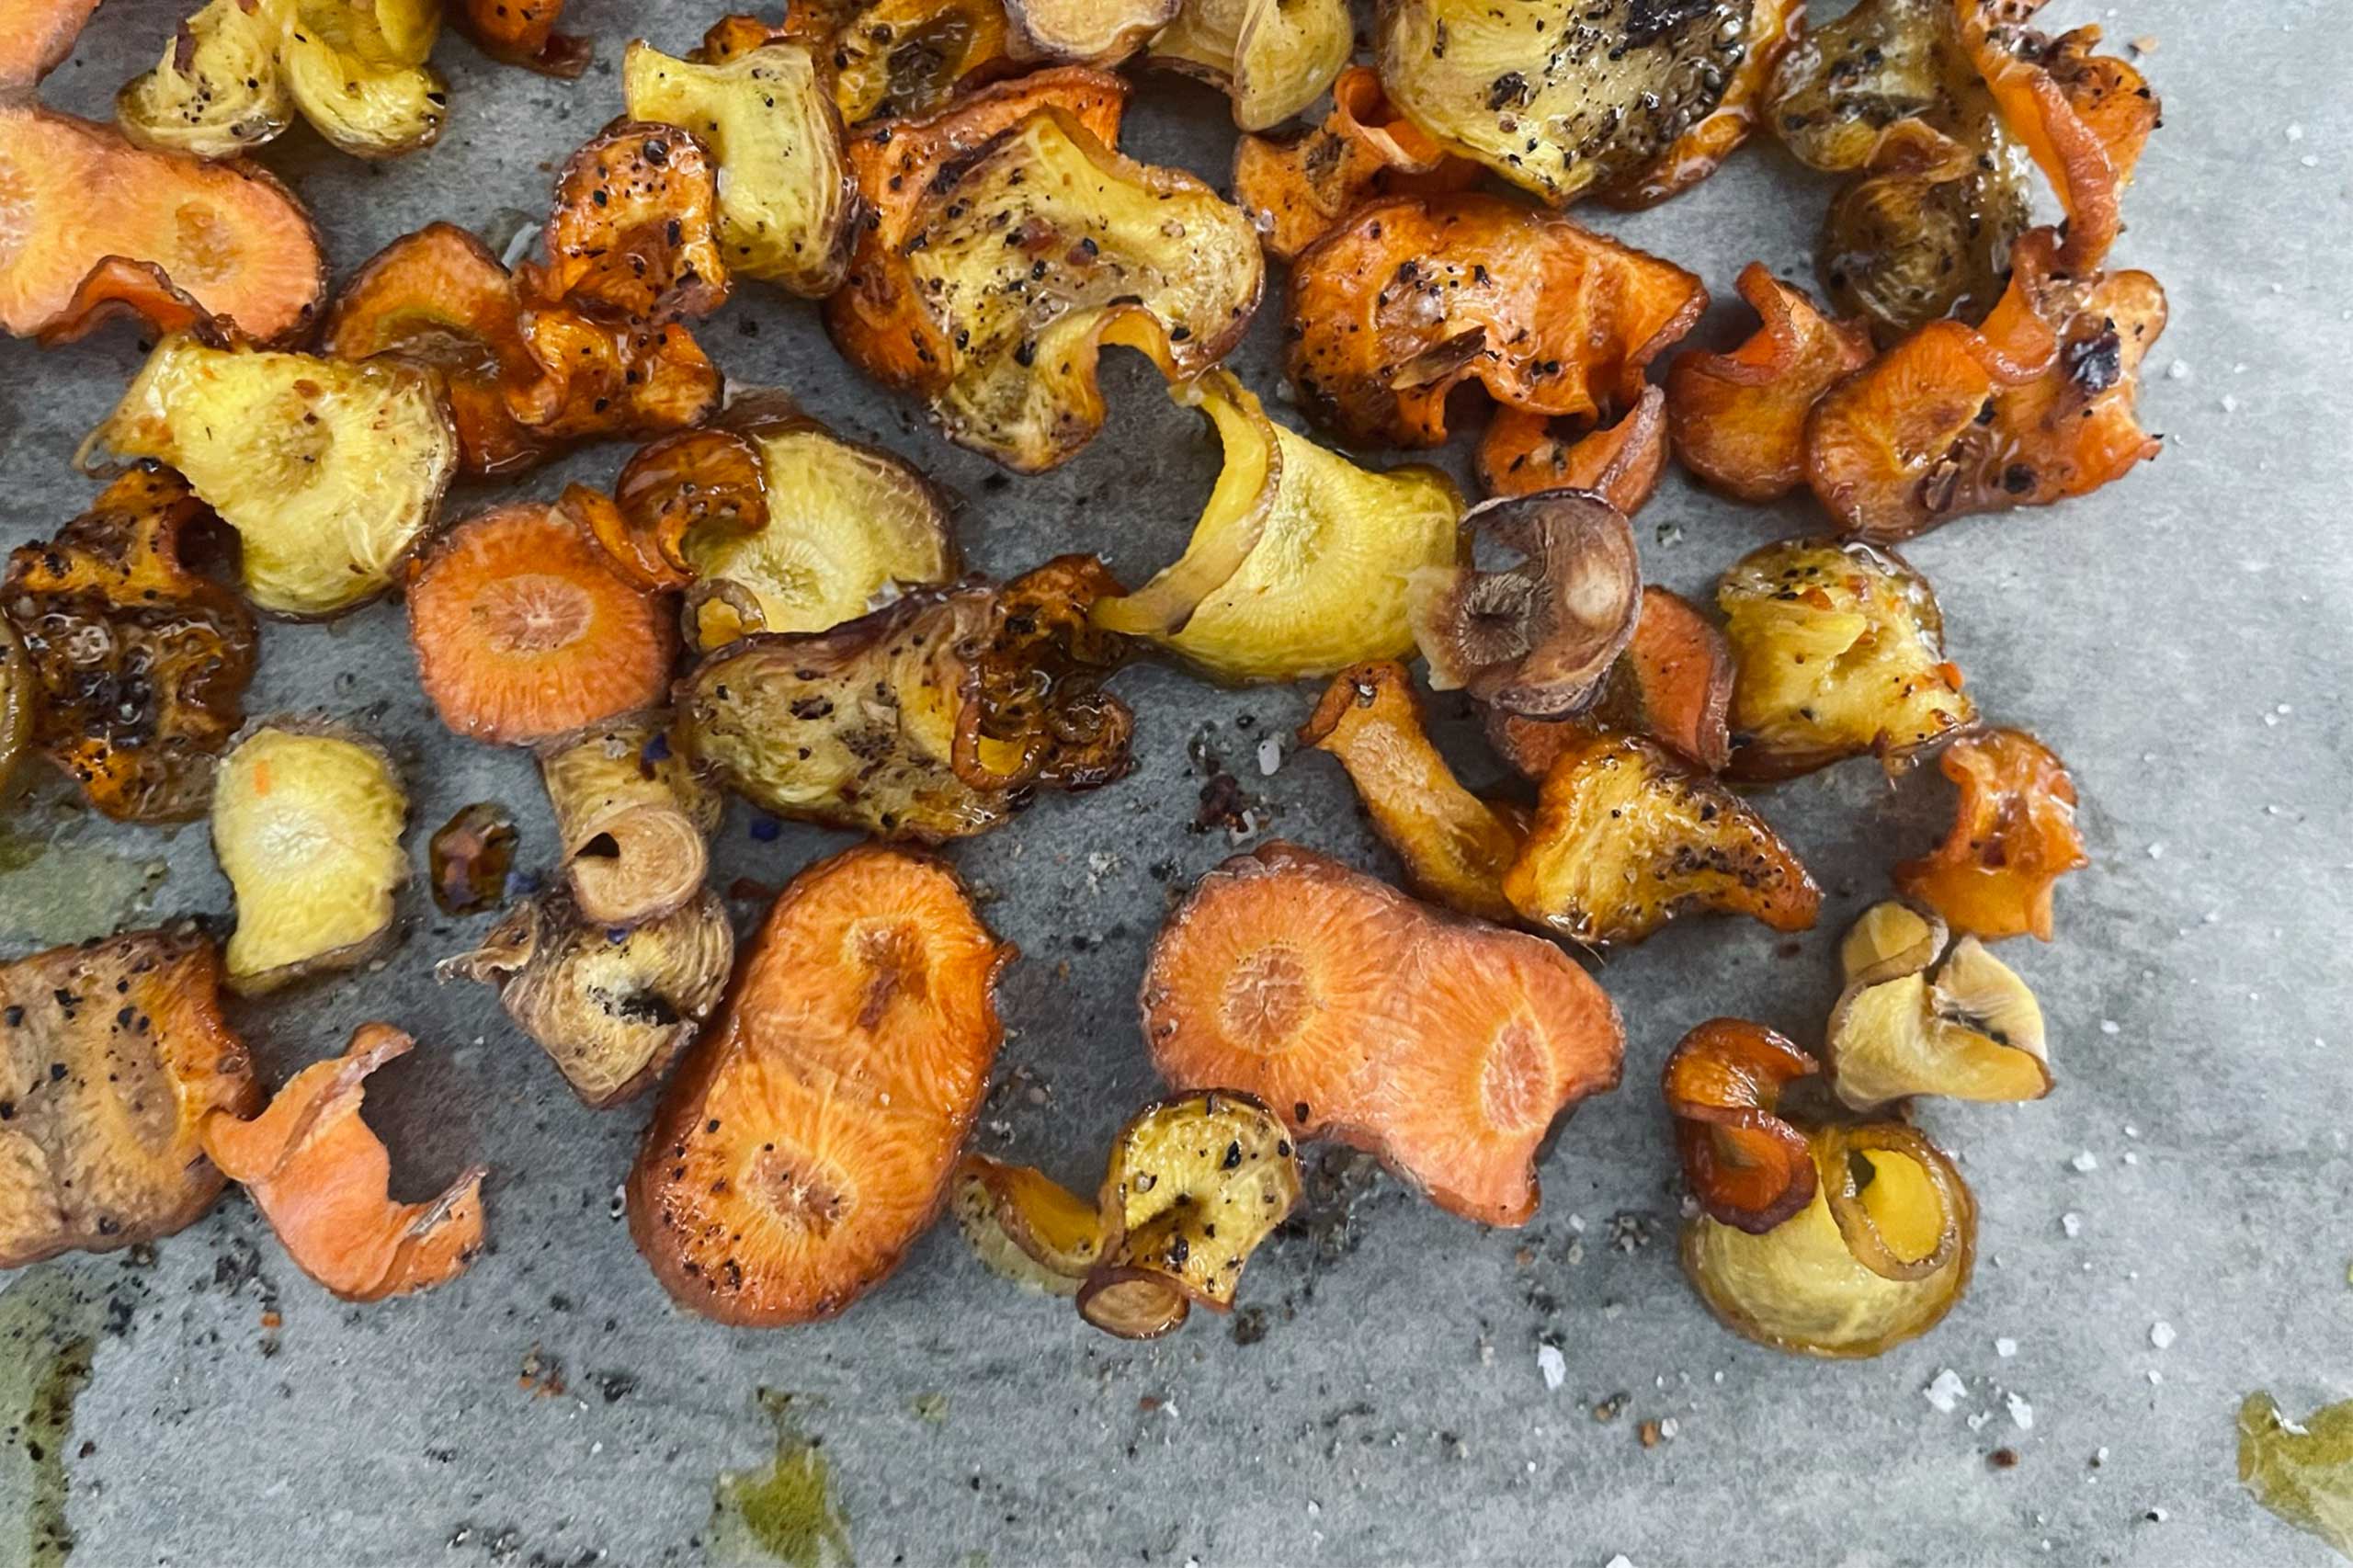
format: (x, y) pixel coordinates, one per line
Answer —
(50, 1321)
(783, 1515)
(58, 886)
(2301, 1470)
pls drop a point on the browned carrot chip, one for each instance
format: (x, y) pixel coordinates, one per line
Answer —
(2013, 837)
(1446, 1046)
(522, 32)
(1454, 846)
(1773, 26)
(39, 37)
(1297, 189)
(2036, 405)
(632, 817)
(1086, 32)
(1673, 683)
(138, 664)
(910, 57)
(634, 230)
(1537, 638)
(120, 289)
(1628, 835)
(523, 630)
(1738, 419)
(809, 1137)
(1414, 296)
(1034, 712)
(322, 1178)
(116, 1051)
(1723, 1084)
(1524, 452)
(588, 378)
(80, 198)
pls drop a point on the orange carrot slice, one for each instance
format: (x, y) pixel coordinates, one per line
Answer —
(2013, 835)
(1738, 419)
(1523, 452)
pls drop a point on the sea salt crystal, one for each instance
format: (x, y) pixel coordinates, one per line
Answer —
(2086, 1163)
(2109, 1026)
(2021, 1412)
(1620, 1561)
(2161, 1334)
(2295, 133)
(2179, 370)
(2006, 1349)
(1270, 756)
(1550, 1363)
(2073, 1224)
(1944, 1391)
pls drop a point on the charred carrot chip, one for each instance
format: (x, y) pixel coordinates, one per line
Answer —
(1738, 419)
(1773, 26)
(322, 1178)
(523, 631)
(1447, 1047)
(589, 379)
(1673, 683)
(1296, 190)
(1412, 297)
(2013, 837)
(138, 664)
(894, 161)
(634, 230)
(1627, 836)
(1522, 453)
(522, 32)
(708, 480)
(1034, 712)
(119, 290)
(1454, 846)
(74, 196)
(39, 37)
(1723, 1084)
(910, 57)
(809, 1137)
(116, 1051)
(2038, 404)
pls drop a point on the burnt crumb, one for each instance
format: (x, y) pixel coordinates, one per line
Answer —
(1249, 1325)
(614, 1386)
(1222, 805)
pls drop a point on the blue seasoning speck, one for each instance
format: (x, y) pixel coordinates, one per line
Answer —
(764, 829)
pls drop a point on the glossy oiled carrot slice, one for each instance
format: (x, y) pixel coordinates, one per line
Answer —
(118, 289)
(810, 1134)
(1672, 683)
(1621, 463)
(322, 1181)
(1295, 189)
(522, 32)
(1738, 419)
(2013, 837)
(524, 630)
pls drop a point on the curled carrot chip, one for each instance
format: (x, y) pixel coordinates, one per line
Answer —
(1091, 32)
(2013, 837)
(1026, 1226)
(588, 379)
(1414, 296)
(634, 230)
(631, 816)
(669, 489)
(1673, 683)
(523, 631)
(1034, 712)
(1447, 1047)
(522, 32)
(322, 1179)
(2038, 404)
(1296, 190)
(1738, 419)
(1773, 26)
(79, 196)
(1723, 1084)
(1907, 1024)
(1524, 452)
(1455, 846)
(1271, 58)
(119, 288)
(138, 664)
(39, 37)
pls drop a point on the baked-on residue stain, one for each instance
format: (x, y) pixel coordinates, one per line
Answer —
(2303, 1473)
(48, 1331)
(784, 1514)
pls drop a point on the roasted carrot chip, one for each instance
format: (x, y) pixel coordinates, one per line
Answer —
(524, 630)
(115, 1053)
(1414, 296)
(138, 663)
(1034, 712)
(2013, 837)
(1025, 1226)
(696, 479)
(1628, 835)
(1454, 846)
(635, 229)
(809, 1137)
(118, 290)
(1841, 652)
(79, 196)
(1773, 26)
(910, 57)
(1272, 58)
(1297, 189)
(1723, 1084)
(1522, 453)
(322, 1179)
(1087, 32)
(589, 379)
(39, 37)
(1673, 683)
(2036, 406)
(1738, 419)
(522, 32)
(631, 816)
(1965, 1028)
(1878, 1257)
(1446, 1046)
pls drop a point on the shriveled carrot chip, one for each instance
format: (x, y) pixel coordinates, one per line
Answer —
(1773, 26)
(910, 57)
(2013, 837)
(1296, 190)
(114, 1055)
(322, 1178)
(631, 816)
(39, 37)
(1446, 1046)
(2036, 406)
(588, 378)
(809, 1135)
(137, 663)
(1455, 846)
(1966, 1028)
(1414, 296)
(1628, 835)
(1673, 683)
(79, 196)
(667, 489)
(523, 630)
(634, 230)
(1034, 712)
(522, 32)
(1738, 419)
(1524, 452)
(1722, 1085)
